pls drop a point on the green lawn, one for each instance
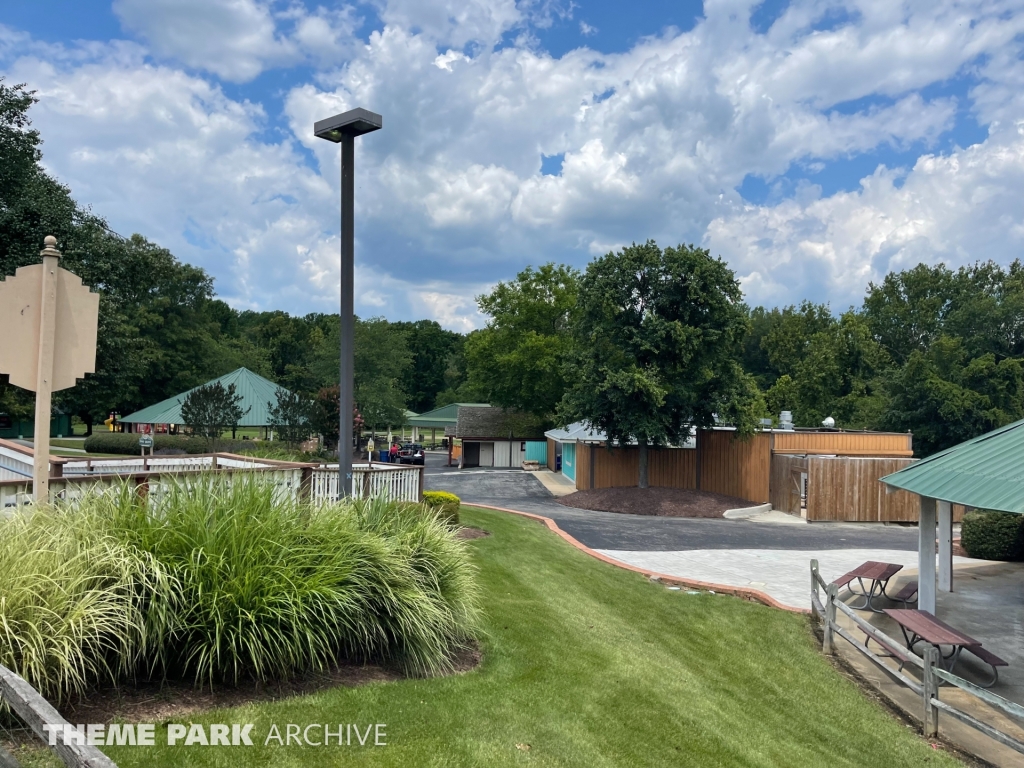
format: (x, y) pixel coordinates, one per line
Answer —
(590, 666)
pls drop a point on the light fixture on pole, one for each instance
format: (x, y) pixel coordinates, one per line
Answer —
(343, 129)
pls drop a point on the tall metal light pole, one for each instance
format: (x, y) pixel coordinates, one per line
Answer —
(343, 129)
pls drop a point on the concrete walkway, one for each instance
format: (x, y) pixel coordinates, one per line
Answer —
(768, 553)
(780, 573)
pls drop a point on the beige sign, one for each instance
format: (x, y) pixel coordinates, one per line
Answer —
(74, 334)
(48, 322)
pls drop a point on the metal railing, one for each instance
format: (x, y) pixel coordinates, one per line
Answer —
(932, 675)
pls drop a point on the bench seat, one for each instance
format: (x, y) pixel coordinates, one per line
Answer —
(991, 659)
(906, 594)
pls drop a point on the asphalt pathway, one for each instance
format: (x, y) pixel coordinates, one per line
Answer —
(515, 489)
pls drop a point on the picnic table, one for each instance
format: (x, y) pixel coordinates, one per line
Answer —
(877, 576)
(922, 626)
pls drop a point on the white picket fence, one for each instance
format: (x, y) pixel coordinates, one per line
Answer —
(397, 483)
(154, 476)
(15, 461)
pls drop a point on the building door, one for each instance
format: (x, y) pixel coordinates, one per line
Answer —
(486, 454)
(470, 454)
(569, 460)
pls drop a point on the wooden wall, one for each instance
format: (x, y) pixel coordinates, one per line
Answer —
(844, 443)
(735, 467)
(728, 466)
(847, 488)
(784, 488)
(551, 454)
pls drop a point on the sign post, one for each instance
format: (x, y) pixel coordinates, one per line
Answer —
(50, 322)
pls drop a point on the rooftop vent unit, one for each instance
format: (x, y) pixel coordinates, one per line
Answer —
(786, 420)
(829, 422)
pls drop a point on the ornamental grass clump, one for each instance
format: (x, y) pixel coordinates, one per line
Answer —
(269, 586)
(225, 579)
(72, 601)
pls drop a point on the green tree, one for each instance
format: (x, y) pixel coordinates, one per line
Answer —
(517, 361)
(211, 409)
(291, 416)
(944, 397)
(834, 371)
(656, 350)
(430, 346)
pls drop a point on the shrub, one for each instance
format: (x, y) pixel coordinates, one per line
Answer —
(269, 587)
(225, 581)
(993, 535)
(445, 505)
(70, 601)
(128, 443)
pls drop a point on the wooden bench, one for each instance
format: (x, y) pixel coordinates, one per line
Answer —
(906, 595)
(989, 658)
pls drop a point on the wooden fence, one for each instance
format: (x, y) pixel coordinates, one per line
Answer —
(896, 444)
(767, 467)
(396, 483)
(42, 719)
(786, 493)
(720, 463)
(847, 488)
(928, 670)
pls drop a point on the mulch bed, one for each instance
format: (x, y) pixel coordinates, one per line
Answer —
(659, 502)
(154, 702)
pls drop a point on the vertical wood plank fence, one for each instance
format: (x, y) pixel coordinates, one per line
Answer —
(727, 465)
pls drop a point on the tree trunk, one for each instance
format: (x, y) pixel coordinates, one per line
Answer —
(642, 449)
(88, 426)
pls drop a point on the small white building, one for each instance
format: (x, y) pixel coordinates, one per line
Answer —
(495, 437)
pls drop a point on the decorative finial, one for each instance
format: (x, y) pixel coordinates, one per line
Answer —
(51, 247)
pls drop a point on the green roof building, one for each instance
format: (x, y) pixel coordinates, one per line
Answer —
(443, 418)
(985, 473)
(256, 392)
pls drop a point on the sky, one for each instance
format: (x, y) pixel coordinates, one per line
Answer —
(815, 145)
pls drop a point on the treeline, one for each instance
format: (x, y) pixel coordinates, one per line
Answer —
(931, 350)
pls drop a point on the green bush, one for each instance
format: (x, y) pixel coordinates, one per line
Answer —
(445, 505)
(128, 443)
(224, 581)
(993, 535)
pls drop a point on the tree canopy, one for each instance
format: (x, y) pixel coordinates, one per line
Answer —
(517, 360)
(656, 349)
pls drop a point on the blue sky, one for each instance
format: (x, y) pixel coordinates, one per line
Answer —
(813, 144)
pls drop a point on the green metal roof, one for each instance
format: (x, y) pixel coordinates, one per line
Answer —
(986, 472)
(442, 417)
(256, 393)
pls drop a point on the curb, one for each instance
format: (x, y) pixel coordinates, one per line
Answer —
(753, 595)
(745, 512)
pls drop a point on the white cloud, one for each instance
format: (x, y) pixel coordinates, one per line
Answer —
(450, 197)
(238, 39)
(954, 208)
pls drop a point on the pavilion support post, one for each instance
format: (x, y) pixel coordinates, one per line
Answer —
(945, 511)
(926, 556)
